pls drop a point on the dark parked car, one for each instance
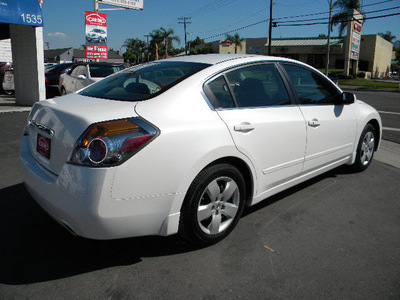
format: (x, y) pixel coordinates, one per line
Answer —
(52, 75)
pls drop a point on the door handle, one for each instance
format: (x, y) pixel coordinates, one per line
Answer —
(244, 127)
(314, 123)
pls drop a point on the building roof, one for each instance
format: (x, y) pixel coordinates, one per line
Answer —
(300, 42)
(55, 52)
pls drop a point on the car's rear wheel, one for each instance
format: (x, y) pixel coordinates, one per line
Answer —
(213, 204)
(63, 91)
(365, 149)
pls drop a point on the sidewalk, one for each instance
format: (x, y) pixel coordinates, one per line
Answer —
(7, 104)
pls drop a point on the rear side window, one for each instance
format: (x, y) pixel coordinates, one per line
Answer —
(252, 86)
(143, 81)
(218, 93)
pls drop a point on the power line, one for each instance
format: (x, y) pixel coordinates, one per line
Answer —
(284, 24)
(317, 19)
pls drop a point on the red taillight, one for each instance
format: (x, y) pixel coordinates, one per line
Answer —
(111, 143)
(135, 142)
(46, 80)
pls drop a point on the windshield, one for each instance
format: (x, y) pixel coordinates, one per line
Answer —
(143, 81)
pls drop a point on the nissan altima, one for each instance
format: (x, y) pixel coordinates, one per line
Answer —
(182, 145)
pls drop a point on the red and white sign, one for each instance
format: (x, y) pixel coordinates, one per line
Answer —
(96, 35)
(357, 27)
(43, 146)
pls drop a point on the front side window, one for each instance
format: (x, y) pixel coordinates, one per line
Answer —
(311, 88)
(251, 86)
(143, 81)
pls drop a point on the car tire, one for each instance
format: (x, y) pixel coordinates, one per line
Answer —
(63, 91)
(9, 92)
(365, 149)
(213, 205)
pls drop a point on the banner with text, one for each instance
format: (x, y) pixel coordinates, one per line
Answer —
(96, 35)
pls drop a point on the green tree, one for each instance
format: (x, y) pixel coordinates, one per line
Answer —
(196, 42)
(135, 49)
(388, 36)
(235, 39)
(346, 9)
(164, 38)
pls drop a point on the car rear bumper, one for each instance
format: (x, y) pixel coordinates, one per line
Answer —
(80, 199)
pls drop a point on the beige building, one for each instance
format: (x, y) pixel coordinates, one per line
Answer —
(225, 47)
(374, 55)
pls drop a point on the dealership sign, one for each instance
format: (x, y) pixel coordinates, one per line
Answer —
(96, 35)
(130, 4)
(24, 12)
(355, 41)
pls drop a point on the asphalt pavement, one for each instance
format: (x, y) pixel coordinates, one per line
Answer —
(333, 237)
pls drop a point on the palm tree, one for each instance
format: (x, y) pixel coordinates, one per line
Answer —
(346, 8)
(388, 36)
(163, 37)
(236, 39)
(135, 49)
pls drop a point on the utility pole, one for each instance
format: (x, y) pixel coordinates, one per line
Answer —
(185, 22)
(96, 5)
(270, 29)
(328, 46)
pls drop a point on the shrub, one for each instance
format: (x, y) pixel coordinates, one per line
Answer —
(361, 75)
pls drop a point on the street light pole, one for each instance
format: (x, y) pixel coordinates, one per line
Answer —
(270, 29)
(328, 46)
(96, 5)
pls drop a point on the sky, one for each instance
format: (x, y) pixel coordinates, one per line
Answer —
(210, 19)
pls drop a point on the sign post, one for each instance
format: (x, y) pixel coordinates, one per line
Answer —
(353, 40)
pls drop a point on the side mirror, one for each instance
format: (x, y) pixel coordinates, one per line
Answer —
(348, 98)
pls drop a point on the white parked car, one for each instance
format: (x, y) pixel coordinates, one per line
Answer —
(182, 145)
(84, 74)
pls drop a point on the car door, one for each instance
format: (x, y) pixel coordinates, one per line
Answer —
(331, 125)
(265, 126)
(83, 79)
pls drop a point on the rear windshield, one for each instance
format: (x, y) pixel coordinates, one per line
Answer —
(143, 81)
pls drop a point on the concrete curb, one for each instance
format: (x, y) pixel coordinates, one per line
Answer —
(389, 153)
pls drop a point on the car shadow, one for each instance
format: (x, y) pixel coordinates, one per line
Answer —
(35, 248)
(342, 170)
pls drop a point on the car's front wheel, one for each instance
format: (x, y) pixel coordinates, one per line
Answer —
(213, 204)
(365, 149)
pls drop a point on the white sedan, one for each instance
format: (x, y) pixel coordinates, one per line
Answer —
(182, 145)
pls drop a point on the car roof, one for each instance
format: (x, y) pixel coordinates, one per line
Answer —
(214, 59)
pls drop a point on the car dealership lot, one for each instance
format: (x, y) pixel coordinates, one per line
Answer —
(336, 236)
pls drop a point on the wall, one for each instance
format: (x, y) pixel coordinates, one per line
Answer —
(28, 63)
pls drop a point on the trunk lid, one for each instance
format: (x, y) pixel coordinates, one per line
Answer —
(55, 125)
